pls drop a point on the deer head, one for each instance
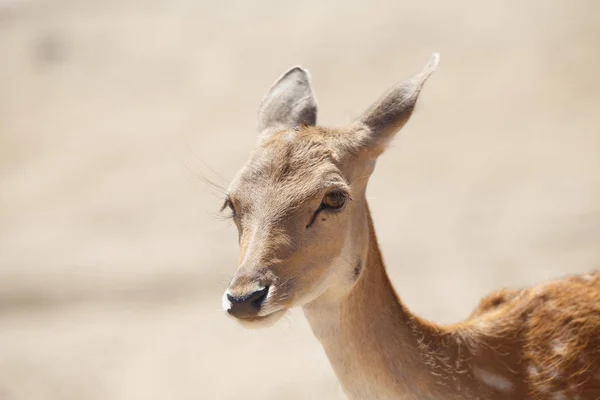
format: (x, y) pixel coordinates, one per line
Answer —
(299, 202)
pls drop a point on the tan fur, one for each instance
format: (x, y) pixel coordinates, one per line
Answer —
(536, 343)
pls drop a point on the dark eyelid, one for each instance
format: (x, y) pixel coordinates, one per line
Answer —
(342, 191)
(227, 203)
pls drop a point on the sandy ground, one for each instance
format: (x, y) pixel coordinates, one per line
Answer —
(112, 256)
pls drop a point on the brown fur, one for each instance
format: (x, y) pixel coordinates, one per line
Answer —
(537, 343)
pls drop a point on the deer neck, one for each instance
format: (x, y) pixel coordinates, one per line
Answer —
(379, 350)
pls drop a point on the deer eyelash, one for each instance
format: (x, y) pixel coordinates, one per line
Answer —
(228, 204)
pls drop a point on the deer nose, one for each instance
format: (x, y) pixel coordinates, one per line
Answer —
(247, 305)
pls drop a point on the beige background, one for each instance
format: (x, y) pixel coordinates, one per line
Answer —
(112, 257)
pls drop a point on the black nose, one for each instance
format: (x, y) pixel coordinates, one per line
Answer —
(248, 305)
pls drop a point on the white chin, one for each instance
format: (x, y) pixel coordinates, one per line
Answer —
(261, 322)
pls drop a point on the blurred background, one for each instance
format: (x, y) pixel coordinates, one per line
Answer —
(113, 258)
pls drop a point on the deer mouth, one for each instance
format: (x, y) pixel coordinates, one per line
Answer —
(261, 321)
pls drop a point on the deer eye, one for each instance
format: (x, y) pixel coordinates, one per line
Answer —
(334, 200)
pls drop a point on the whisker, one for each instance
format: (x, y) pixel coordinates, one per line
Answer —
(222, 190)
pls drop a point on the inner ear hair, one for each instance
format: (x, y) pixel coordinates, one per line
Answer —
(289, 103)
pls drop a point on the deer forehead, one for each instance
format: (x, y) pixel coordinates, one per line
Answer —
(288, 170)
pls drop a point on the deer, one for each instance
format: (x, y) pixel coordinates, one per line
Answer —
(307, 239)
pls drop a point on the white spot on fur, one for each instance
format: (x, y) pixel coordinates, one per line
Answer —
(290, 135)
(588, 277)
(544, 389)
(491, 379)
(483, 324)
(559, 396)
(533, 371)
(225, 302)
(558, 347)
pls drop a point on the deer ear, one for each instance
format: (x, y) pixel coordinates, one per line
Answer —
(290, 102)
(391, 111)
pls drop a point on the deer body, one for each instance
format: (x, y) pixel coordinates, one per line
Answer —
(380, 350)
(307, 239)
